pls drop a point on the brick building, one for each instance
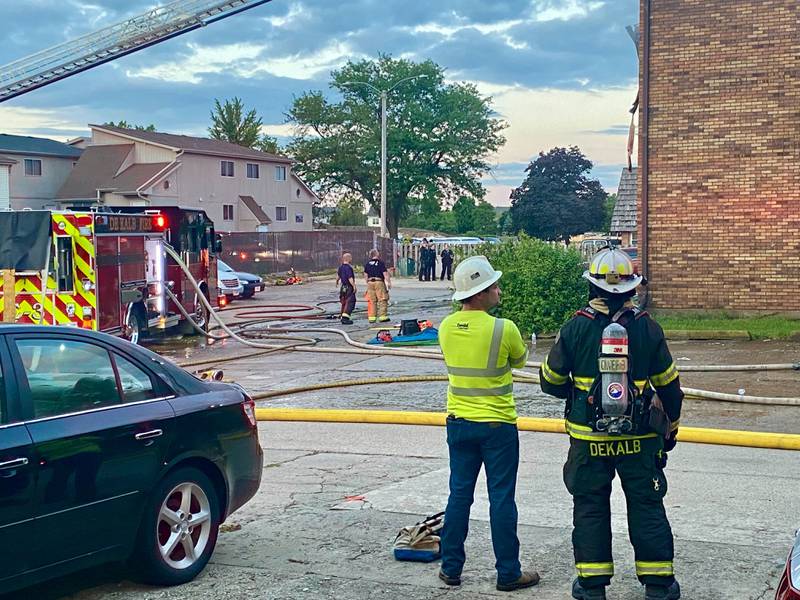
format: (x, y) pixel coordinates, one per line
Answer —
(719, 154)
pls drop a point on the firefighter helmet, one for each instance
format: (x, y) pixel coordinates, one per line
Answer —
(472, 276)
(612, 270)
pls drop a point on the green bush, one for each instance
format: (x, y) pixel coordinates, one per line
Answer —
(541, 285)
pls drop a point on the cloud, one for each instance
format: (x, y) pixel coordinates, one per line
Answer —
(565, 10)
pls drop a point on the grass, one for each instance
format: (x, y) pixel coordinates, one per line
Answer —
(767, 327)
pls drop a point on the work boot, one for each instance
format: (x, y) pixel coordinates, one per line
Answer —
(526, 580)
(593, 593)
(449, 580)
(662, 592)
(347, 321)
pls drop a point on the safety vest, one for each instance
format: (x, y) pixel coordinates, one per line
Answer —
(480, 351)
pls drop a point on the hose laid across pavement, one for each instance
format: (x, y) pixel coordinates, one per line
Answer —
(720, 437)
(360, 348)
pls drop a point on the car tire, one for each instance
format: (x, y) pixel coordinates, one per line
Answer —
(170, 549)
(135, 326)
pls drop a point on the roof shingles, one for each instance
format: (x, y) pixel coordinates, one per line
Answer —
(625, 217)
(195, 145)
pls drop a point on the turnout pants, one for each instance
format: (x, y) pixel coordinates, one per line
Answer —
(588, 473)
(347, 296)
(378, 297)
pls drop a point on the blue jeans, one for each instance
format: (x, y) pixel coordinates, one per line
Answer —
(495, 445)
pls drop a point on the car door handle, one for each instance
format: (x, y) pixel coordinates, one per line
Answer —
(149, 435)
(14, 463)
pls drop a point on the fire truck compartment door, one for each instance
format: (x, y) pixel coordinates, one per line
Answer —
(128, 296)
(24, 239)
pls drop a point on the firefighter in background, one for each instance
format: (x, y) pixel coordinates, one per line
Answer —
(597, 451)
(378, 285)
(346, 280)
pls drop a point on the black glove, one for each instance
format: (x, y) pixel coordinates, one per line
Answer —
(661, 459)
(669, 442)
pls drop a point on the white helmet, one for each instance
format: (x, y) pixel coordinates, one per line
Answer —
(474, 275)
(612, 270)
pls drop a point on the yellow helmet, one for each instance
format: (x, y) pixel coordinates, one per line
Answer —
(612, 270)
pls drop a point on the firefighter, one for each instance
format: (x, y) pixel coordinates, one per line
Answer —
(633, 444)
(378, 285)
(346, 280)
(480, 351)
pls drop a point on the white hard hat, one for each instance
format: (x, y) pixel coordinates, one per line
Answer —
(612, 270)
(474, 275)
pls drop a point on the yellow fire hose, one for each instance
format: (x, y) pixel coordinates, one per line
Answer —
(697, 435)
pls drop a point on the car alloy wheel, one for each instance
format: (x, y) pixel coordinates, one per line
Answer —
(179, 529)
(184, 525)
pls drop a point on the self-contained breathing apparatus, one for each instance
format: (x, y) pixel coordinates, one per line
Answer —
(618, 407)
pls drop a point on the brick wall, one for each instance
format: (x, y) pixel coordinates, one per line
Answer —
(724, 155)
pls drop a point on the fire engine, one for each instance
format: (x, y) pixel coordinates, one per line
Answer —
(103, 271)
(191, 233)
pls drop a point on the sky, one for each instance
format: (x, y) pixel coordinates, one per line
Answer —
(560, 72)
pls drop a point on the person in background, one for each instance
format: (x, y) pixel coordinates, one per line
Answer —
(423, 260)
(480, 350)
(447, 262)
(378, 285)
(432, 261)
(346, 280)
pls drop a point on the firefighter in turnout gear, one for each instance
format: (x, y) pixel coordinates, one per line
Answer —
(612, 365)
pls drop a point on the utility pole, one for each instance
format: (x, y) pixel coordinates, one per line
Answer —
(384, 166)
(384, 94)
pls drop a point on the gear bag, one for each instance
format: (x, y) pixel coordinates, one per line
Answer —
(420, 542)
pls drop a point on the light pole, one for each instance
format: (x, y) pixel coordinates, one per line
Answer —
(384, 94)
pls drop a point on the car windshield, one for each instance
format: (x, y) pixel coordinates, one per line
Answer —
(221, 266)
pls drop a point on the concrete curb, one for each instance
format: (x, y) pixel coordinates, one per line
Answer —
(710, 334)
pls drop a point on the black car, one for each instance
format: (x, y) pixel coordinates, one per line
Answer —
(251, 283)
(110, 453)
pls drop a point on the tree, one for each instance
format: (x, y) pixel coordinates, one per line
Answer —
(557, 200)
(125, 125)
(268, 144)
(485, 218)
(349, 212)
(608, 212)
(439, 134)
(230, 123)
(464, 213)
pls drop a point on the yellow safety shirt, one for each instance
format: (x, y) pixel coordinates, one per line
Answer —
(480, 351)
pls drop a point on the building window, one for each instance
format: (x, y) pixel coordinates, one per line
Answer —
(280, 213)
(252, 171)
(227, 212)
(298, 217)
(226, 168)
(33, 167)
(280, 173)
(297, 192)
(166, 184)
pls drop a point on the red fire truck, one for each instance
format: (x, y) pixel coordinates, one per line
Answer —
(191, 233)
(103, 271)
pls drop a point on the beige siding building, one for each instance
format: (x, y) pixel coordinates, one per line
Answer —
(240, 189)
(32, 170)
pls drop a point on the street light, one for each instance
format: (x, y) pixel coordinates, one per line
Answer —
(384, 96)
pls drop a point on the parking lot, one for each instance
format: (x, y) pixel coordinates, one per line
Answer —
(333, 496)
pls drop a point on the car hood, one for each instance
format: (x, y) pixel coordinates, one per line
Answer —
(248, 277)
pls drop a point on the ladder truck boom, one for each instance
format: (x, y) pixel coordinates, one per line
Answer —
(112, 42)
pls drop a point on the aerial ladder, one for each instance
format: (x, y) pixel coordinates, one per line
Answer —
(156, 25)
